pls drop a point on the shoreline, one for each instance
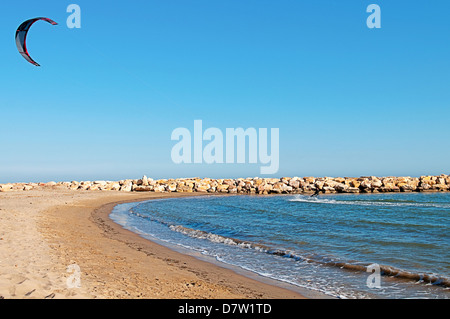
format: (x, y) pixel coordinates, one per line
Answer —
(117, 263)
(248, 278)
(46, 231)
(387, 271)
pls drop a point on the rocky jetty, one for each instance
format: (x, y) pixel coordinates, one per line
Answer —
(256, 185)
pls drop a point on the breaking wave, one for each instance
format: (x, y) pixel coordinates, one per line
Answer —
(356, 266)
(370, 202)
(324, 243)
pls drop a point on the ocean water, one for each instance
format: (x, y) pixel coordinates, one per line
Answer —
(324, 243)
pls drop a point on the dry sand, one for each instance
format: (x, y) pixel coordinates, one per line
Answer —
(44, 231)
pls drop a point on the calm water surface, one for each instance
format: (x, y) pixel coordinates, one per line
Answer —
(324, 243)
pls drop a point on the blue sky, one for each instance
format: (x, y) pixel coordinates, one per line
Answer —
(348, 100)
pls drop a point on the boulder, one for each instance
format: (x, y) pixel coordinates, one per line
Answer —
(232, 189)
(114, 186)
(159, 188)
(223, 188)
(142, 188)
(126, 187)
(440, 187)
(319, 184)
(6, 187)
(447, 179)
(294, 183)
(352, 190)
(229, 182)
(171, 187)
(365, 184)
(309, 180)
(328, 189)
(93, 187)
(184, 189)
(202, 187)
(248, 185)
(354, 183)
(430, 180)
(27, 187)
(341, 187)
(376, 183)
(280, 187)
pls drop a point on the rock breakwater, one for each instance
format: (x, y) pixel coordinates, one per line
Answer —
(255, 185)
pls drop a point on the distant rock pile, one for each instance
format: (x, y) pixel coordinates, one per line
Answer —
(256, 185)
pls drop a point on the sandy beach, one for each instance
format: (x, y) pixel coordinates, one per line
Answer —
(45, 231)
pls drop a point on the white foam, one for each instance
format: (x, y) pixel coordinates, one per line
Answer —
(316, 200)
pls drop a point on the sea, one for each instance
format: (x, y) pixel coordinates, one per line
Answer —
(350, 246)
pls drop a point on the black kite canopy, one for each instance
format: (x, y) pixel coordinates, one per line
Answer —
(21, 37)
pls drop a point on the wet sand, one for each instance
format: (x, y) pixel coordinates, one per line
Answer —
(45, 231)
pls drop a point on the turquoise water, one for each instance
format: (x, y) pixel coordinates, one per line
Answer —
(323, 243)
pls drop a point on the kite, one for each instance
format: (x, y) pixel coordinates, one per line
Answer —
(21, 37)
